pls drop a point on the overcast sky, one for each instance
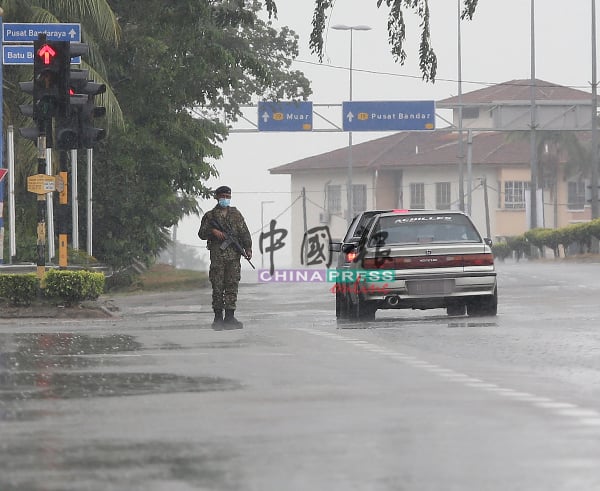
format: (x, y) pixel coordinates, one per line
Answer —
(495, 48)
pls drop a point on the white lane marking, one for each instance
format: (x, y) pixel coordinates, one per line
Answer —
(590, 422)
(481, 385)
(579, 413)
(582, 416)
(555, 405)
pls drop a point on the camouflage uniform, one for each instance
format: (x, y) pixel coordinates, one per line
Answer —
(225, 268)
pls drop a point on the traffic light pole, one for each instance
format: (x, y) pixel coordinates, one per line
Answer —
(46, 129)
(63, 211)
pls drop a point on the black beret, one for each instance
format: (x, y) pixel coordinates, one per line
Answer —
(222, 190)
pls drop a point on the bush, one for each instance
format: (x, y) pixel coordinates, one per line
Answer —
(73, 286)
(19, 289)
(501, 250)
(519, 245)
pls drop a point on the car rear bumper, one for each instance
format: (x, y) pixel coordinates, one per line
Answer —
(420, 288)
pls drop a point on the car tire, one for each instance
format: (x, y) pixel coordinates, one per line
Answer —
(483, 306)
(455, 310)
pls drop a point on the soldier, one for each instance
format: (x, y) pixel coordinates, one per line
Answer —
(225, 268)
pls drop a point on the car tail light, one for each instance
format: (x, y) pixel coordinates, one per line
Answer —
(378, 263)
(351, 256)
(422, 262)
(479, 259)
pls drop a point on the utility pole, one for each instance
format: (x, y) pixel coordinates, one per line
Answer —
(594, 169)
(532, 134)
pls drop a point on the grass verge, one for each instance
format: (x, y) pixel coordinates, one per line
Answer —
(166, 277)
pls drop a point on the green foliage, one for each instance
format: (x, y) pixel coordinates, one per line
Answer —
(195, 61)
(501, 250)
(80, 258)
(396, 29)
(576, 233)
(73, 286)
(535, 237)
(594, 228)
(19, 289)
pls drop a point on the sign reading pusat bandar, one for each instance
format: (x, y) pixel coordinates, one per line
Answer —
(388, 115)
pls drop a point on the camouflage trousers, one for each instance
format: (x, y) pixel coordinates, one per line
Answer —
(224, 275)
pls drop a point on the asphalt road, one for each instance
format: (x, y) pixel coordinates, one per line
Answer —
(154, 399)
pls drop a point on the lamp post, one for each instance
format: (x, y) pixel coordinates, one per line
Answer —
(594, 168)
(262, 226)
(350, 197)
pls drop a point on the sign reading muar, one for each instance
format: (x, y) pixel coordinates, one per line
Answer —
(285, 116)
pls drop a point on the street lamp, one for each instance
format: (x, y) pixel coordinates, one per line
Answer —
(262, 226)
(350, 197)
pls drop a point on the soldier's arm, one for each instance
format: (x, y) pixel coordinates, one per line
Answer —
(245, 237)
(205, 231)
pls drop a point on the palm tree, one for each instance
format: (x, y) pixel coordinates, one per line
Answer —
(554, 147)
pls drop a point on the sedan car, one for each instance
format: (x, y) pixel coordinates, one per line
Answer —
(417, 260)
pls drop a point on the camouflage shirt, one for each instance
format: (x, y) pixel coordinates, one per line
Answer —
(230, 218)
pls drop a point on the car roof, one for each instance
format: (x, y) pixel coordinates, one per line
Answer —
(421, 212)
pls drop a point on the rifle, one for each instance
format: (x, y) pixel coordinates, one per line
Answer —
(230, 239)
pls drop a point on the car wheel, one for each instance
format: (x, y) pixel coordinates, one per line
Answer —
(485, 305)
(454, 310)
(341, 305)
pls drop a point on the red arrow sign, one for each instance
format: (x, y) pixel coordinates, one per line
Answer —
(3, 172)
(47, 53)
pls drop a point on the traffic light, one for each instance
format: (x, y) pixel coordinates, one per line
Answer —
(67, 131)
(49, 91)
(67, 126)
(89, 135)
(76, 129)
(51, 63)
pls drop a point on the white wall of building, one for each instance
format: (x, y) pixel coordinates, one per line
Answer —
(315, 184)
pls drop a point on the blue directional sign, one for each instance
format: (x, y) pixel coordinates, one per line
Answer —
(17, 55)
(22, 54)
(388, 115)
(285, 116)
(17, 32)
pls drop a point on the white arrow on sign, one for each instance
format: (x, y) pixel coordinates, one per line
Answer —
(265, 116)
(350, 116)
(72, 33)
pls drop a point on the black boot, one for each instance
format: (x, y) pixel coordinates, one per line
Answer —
(217, 324)
(230, 322)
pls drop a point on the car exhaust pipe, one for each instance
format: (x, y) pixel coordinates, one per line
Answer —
(393, 300)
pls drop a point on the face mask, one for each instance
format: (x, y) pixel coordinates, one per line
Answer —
(224, 202)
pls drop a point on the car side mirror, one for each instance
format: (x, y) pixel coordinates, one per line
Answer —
(350, 246)
(488, 241)
(335, 246)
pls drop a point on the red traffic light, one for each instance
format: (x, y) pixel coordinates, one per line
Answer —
(46, 53)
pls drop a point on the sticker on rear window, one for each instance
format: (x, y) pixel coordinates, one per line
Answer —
(424, 219)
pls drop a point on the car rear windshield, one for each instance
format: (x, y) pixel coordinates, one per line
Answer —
(421, 229)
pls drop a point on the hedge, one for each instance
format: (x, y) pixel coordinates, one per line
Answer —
(73, 286)
(65, 286)
(580, 234)
(19, 289)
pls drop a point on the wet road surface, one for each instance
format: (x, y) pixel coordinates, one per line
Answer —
(415, 400)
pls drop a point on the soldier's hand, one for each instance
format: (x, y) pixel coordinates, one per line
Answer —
(218, 234)
(249, 253)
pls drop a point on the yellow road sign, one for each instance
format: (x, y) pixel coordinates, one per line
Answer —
(41, 184)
